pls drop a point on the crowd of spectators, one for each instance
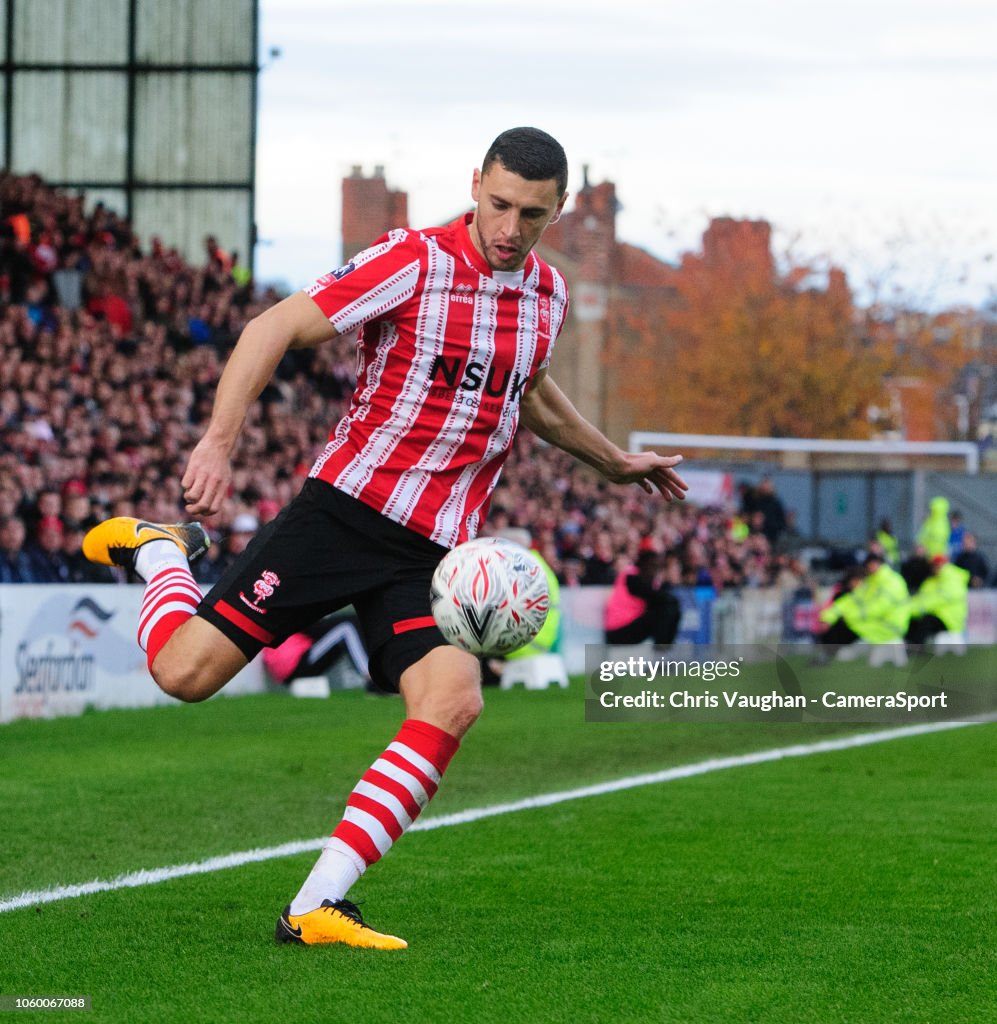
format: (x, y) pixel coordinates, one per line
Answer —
(110, 351)
(589, 531)
(109, 357)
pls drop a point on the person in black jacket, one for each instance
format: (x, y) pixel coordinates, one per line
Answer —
(973, 561)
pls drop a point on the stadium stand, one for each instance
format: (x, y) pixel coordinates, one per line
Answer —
(109, 355)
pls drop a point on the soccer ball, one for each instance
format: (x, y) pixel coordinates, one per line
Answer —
(489, 596)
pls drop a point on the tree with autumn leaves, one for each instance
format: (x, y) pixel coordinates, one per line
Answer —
(938, 363)
(734, 346)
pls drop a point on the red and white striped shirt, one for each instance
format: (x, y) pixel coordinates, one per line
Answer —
(446, 347)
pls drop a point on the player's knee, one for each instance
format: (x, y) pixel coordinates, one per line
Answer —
(466, 701)
(454, 711)
(196, 662)
(466, 711)
(444, 689)
(183, 681)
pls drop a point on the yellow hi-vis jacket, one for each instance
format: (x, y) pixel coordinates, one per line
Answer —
(936, 529)
(844, 606)
(946, 594)
(890, 547)
(885, 604)
(877, 610)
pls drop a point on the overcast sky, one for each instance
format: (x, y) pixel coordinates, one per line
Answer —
(863, 130)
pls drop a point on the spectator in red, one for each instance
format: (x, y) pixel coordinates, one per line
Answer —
(218, 259)
(47, 559)
(113, 308)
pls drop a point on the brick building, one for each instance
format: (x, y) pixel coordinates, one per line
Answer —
(369, 209)
(604, 276)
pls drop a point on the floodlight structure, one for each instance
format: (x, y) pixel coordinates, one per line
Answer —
(146, 105)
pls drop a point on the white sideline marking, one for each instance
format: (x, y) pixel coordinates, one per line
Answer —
(154, 876)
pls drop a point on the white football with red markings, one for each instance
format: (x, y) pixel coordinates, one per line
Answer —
(489, 596)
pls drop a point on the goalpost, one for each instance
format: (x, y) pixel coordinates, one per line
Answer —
(964, 450)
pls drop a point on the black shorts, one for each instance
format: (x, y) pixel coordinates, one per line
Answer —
(324, 551)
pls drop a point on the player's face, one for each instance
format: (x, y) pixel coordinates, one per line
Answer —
(511, 215)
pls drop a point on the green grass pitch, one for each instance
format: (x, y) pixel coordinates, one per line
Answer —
(852, 886)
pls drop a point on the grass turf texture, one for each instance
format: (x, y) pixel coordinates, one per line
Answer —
(849, 886)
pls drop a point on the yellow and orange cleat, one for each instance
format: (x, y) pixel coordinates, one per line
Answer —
(115, 541)
(334, 921)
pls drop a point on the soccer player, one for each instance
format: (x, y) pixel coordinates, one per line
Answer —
(455, 328)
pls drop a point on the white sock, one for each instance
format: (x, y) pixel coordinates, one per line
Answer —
(337, 868)
(156, 555)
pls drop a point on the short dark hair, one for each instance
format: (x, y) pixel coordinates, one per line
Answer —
(530, 153)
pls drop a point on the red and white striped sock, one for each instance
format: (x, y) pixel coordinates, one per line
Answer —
(171, 598)
(385, 802)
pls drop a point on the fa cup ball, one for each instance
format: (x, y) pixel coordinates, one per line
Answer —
(489, 596)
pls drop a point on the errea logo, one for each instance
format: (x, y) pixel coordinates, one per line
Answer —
(543, 313)
(463, 293)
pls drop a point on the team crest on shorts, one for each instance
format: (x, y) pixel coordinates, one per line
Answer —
(263, 588)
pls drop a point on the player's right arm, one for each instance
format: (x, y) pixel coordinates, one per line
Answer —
(295, 322)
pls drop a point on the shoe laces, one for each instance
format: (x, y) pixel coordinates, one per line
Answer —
(346, 908)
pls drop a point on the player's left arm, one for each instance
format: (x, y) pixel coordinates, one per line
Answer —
(546, 410)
